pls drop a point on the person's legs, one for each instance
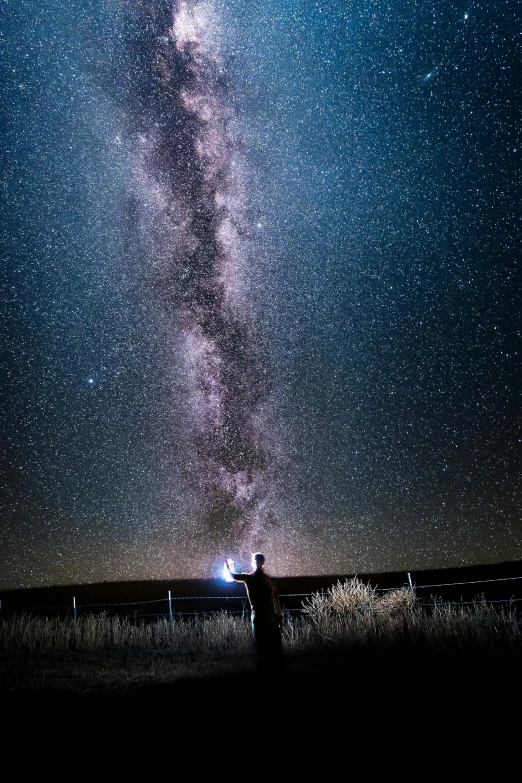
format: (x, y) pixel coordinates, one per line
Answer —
(267, 636)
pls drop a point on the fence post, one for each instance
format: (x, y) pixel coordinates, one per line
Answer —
(170, 607)
(409, 582)
(74, 607)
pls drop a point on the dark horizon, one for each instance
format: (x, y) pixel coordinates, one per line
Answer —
(509, 570)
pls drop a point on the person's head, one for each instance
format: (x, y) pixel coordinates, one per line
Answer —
(258, 560)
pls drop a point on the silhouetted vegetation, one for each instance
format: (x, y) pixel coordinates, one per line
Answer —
(114, 654)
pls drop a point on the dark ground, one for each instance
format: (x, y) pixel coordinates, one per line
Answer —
(408, 717)
(423, 720)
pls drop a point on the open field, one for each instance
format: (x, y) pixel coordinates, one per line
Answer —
(342, 627)
(381, 681)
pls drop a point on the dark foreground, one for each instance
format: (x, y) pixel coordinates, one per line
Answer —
(426, 720)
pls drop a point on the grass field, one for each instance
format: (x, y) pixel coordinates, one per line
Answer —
(376, 683)
(348, 624)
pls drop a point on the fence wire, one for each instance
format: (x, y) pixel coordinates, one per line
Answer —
(478, 582)
(172, 599)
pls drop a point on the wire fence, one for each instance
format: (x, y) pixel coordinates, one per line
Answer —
(170, 599)
(477, 582)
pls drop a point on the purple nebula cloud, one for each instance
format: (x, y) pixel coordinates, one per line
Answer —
(189, 165)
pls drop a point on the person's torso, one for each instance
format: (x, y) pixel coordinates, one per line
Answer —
(260, 588)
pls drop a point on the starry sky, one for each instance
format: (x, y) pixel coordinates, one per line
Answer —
(260, 286)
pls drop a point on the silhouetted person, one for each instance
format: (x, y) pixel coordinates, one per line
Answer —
(265, 612)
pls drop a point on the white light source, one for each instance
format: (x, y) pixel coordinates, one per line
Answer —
(226, 571)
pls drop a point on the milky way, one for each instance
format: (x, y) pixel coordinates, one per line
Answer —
(186, 149)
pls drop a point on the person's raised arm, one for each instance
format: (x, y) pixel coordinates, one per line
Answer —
(229, 564)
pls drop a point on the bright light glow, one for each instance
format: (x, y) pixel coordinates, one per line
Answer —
(226, 572)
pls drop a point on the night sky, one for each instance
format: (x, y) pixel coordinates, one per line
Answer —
(261, 286)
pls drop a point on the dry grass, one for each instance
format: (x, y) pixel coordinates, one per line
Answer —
(218, 633)
(113, 654)
(353, 613)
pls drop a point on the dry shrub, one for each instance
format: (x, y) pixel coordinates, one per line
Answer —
(398, 603)
(354, 613)
(342, 600)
